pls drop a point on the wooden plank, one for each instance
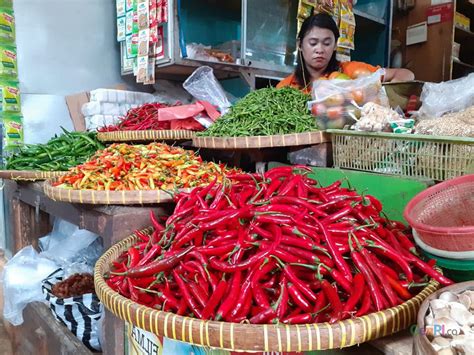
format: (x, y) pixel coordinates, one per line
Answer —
(42, 334)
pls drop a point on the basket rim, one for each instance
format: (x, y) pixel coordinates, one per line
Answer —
(120, 302)
(418, 226)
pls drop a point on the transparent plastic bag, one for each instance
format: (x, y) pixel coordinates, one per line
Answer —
(22, 278)
(449, 96)
(337, 102)
(67, 244)
(203, 85)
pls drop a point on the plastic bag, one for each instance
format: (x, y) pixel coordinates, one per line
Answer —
(22, 279)
(203, 85)
(195, 117)
(67, 244)
(450, 96)
(376, 118)
(336, 102)
(80, 314)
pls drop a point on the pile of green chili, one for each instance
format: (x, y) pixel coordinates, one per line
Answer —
(59, 154)
(266, 112)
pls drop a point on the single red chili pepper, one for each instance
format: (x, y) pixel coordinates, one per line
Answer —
(405, 242)
(264, 316)
(180, 215)
(245, 293)
(198, 267)
(338, 260)
(358, 288)
(320, 305)
(302, 286)
(134, 257)
(232, 294)
(154, 251)
(187, 295)
(427, 269)
(339, 278)
(143, 282)
(215, 298)
(303, 318)
(431, 262)
(217, 251)
(272, 219)
(374, 202)
(300, 202)
(365, 306)
(287, 257)
(169, 298)
(298, 298)
(183, 307)
(370, 280)
(157, 225)
(144, 237)
(197, 293)
(158, 265)
(385, 269)
(334, 300)
(225, 267)
(309, 256)
(399, 289)
(283, 304)
(259, 295)
(274, 185)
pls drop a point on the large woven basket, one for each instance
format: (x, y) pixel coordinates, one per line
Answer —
(106, 197)
(255, 142)
(29, 175)
(145, 136)
(247, 337)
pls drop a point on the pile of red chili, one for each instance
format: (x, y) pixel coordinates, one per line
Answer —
(140, 118)
(273, 248)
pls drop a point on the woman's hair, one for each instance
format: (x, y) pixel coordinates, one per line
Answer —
(322, 21)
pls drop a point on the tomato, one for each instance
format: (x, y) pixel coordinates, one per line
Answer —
(318, 109)
(358, 96)
(335, 112)
(335, 100)
(333, 75)
(360, 72)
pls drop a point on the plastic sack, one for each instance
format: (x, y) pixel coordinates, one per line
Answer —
(450, 96)
(376, 118)
(80, 314)
(195, 117)
(336, 102)
(67, 244)
(203, 85)
(22, 278)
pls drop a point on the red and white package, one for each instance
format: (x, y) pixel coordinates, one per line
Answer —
(196, 117)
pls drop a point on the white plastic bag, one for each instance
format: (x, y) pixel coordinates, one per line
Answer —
(449, 96)
(22, 279)
(203, 85)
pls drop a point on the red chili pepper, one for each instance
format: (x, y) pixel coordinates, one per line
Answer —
(339, 278)
(215, 298)
(225, 267)
(365, 306)
(304, 318)
(156, 224)
(245, 294)
(298, 298)
(333, 299)
(134, 257)
(231, 300)
(154, 251)
(158, 265)
(274, 185)
(405, 242)
(320, 305)
(259, 295)
(187, 295)
(218, 251)
(263, 317)
(427, 269)
(370, 280)
(283, 304)
(300, 202)
(399, 289)
(303, 287)
(338, 260)
(198, 294)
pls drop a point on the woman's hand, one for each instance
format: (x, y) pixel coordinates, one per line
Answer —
(398, 74)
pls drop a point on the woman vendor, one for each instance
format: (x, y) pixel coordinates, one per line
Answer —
(317, 43)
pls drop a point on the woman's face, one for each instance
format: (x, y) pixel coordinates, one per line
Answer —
(317, 47)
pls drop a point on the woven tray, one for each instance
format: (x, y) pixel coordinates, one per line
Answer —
(246, 337)
(29, 175)
(285, 140)
(143, 136)
(95, 197)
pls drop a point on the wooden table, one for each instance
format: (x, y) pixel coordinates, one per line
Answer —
(29, 212)
(29, 219)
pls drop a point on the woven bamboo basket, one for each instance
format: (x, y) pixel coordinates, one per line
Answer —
(29, 175)
(106, 197)
(247, 337)
(145, 136)
(284, 140)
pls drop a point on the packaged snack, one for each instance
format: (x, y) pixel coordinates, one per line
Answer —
(129, 4)
(12, 135)
(143, 42)
(120, 6)
(10, 96)
(121, 31)
(129, 23)
(347, 25)
(8, 63)
(142, 63)
(143, 11)
(7, 25)
(337, 102)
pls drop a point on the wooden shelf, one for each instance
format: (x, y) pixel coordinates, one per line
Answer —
(461, 35)
(457, 61)
(366, 16)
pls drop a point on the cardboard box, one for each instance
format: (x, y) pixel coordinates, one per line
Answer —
(74, 104)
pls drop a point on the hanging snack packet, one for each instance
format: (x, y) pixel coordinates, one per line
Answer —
(10, 96)
(143, 10)
(8, 63)
(346, 26)
(7, 25)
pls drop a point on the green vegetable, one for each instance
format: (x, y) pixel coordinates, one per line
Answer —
(59, 154)
(266, 112)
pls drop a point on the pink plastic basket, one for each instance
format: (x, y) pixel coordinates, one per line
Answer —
(443, 215)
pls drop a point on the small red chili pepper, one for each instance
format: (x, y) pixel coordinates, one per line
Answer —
(304, 318)
(427, 269)
(365, 306)
(264, 316)
(230, 301)
(154, 251)
(333, 298)
(215, 298)
(134, 257)
(399, 289)
(198, 294)
(358, 284)
(186, 294)
(298, 298)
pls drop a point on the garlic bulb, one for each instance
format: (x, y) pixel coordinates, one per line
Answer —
(448, 296)
(465, 300)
